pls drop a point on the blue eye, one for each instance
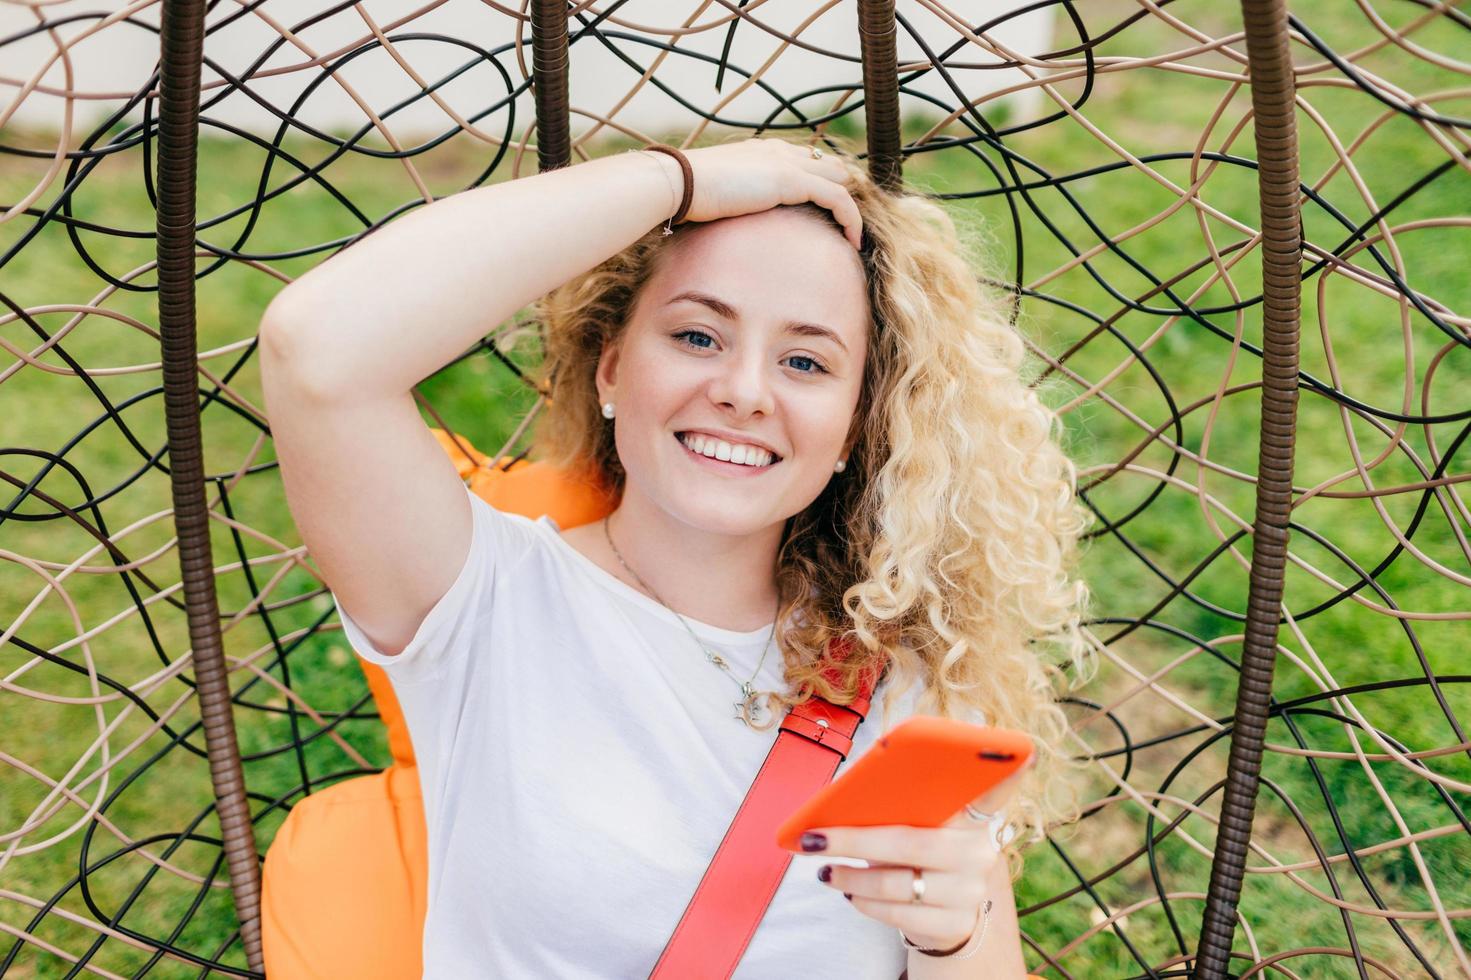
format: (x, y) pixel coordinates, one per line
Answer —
(694, 333)
(817, 368)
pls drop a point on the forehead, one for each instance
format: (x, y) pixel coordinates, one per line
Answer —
(771, 267)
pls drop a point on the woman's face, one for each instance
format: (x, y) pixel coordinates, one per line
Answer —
(754, 332)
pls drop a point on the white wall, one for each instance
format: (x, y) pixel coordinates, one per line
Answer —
(118, 59)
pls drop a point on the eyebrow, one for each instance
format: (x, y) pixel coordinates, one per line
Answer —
(724, 309)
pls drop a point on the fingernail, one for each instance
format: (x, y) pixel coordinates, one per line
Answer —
(825, 873)
(848, 896)
(813, 841)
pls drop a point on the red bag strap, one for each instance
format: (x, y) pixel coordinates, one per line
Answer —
(742, 878)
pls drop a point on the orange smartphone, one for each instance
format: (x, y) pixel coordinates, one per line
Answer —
(920, 774)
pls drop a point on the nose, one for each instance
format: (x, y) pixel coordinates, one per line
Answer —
(742, 386)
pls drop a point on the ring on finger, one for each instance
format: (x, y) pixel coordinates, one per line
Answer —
(917, 886)
(816, 153)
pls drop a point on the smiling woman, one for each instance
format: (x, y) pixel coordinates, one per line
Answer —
(722, 343)
(827, 474)
(920, 505)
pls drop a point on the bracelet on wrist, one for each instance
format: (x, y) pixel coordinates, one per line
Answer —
(966, 949)
(689, 184)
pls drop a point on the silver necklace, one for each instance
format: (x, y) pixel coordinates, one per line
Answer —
(753, 702)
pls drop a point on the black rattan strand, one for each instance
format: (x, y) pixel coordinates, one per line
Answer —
(181, 40)
(549, 80)
(1272, 96)
(877, 35)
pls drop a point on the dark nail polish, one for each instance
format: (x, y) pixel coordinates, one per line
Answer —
(825, 873)
(813, 841)
(848, 896)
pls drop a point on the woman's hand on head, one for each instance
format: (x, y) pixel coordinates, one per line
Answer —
(733, 179)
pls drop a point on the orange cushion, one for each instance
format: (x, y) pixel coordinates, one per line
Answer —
(345, 882)
(345, 879)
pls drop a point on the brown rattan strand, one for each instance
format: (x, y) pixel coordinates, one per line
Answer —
(1275, 125)
(877, 35)
(181, 39)
(549, 80)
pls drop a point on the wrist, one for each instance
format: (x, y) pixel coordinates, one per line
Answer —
(967, 947)
(670, 172)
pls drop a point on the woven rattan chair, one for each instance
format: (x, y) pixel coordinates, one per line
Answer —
(165, 873)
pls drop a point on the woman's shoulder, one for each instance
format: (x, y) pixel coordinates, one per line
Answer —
(506, 538)
(538, 552)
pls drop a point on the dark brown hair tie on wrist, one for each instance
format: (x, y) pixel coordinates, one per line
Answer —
(689, 184)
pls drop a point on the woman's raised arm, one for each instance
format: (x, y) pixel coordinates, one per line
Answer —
(393, 308)
(387, 312)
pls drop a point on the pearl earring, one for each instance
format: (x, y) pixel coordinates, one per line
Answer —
(607, 410)
(840, 466)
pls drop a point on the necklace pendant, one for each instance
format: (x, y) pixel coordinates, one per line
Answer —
(750, 709)
(753, 705)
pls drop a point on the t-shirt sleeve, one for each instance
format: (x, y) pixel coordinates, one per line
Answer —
(449, 630)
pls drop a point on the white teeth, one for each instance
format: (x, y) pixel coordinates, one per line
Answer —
(718, 449)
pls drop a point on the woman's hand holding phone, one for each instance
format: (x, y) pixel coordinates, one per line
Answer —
(960, 859)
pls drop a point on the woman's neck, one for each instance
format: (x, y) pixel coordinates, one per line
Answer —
(724, 580)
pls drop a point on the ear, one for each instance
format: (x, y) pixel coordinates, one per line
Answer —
(851, 440)
(606, 375)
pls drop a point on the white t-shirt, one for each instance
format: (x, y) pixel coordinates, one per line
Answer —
(580, 763)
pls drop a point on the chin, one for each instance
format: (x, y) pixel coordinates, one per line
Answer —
(714, 519)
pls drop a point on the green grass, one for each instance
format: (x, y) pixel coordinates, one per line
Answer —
(45, 409)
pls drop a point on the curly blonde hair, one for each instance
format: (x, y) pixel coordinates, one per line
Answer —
(943, 555)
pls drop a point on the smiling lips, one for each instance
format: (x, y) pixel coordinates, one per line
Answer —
(737, 454)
